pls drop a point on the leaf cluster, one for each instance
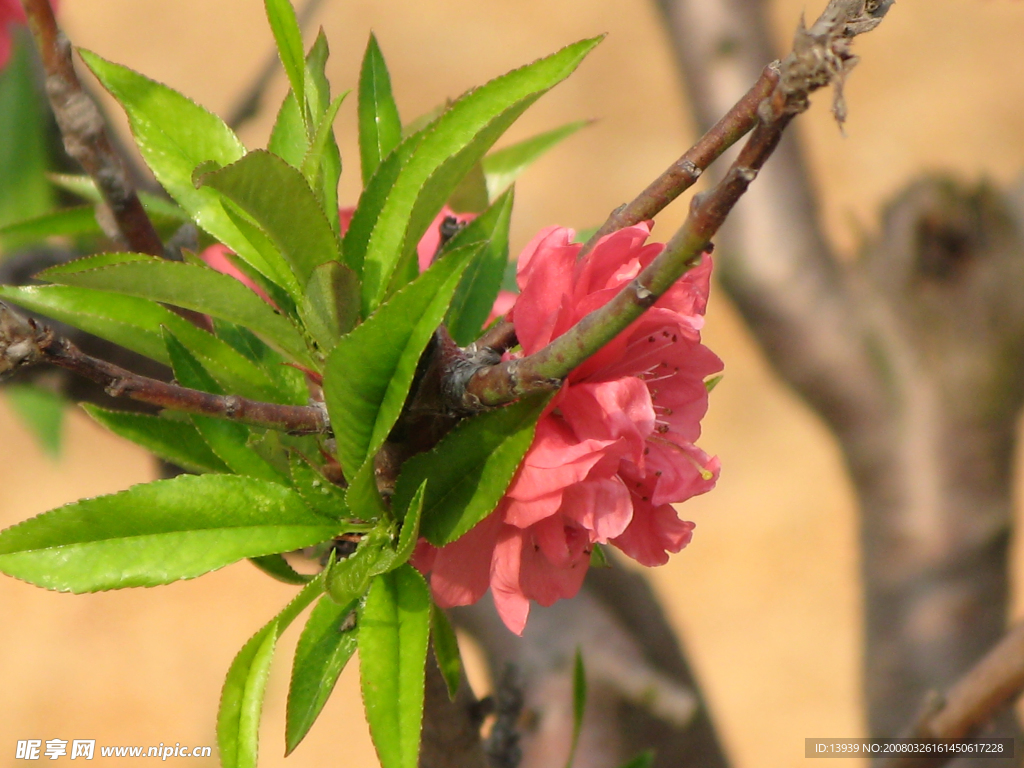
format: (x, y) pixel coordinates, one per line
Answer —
(343, 317)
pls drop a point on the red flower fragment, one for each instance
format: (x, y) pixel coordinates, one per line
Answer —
(613, 450)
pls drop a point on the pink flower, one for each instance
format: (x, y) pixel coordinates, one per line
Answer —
(614, 449)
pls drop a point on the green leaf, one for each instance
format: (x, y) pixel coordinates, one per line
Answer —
(283, 205)
(449, 149)
(470, 196)
(411, 519)
(479, 287)
(502, 167)
(288, 36)
(351, 577)
(371, 203)
(598, 557)
(320, 146)
(136, 325)
(713, 381)
(330, 306)
(363, 499)
(241, 700)
(326, 645)
(175, 136)
(318, 96)
(192, 287)
(288, 138)
(80, 220)
(394, 626)
(320, 494)
(470, 469)
(158, 533)
(277, 567)
(368, 375)
(24, 190)
(446, 650)
(175, 441)
(42, 411)
(643, 760)
(579, 703)
(380, 128)
(229, 440)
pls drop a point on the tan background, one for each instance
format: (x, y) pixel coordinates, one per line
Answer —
(766, 594)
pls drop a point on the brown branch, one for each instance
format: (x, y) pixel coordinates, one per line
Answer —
(24, 343)
(821, 55)
(685, 171)
(989, 687)
(84, 132)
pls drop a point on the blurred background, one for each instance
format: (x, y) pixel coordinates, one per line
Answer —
(766, 596)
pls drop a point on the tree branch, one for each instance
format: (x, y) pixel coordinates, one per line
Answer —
(821, 55)
(24, 343)
(84, 132)
(685, 171)
(989, 687)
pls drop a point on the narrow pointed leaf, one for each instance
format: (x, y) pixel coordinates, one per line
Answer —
(411, 519)
(288, 36)
(241, 701)
(479, 287)
(469, 470)
(394, 626)
(311, 164)
(502, 167)
(375, 555)
(24, 157)
(362, 496)
(175, 441)
(175, 136)
(327, 643)
(281, 202)
(42, 411)
(196, 288)
(330, 306)
(320, 495)
(368, 375)
(371, 203)
(380, 128)
(288, 138)
(158, 533)
(446, 650)
(318, 96)
(79, 220)
(136, 324)
(579, 703)
(449, 149)
(229, 440)
(277, 567)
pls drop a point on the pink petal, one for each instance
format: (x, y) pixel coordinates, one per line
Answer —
(610, 410)
(544, 273)
(653, 533)
(513, 606)
(601, 506)
(461, 570)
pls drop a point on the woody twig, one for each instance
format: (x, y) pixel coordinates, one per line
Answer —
(85, 134)
(821, 56)
(25, 343)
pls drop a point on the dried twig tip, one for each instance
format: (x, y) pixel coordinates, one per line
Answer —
(20, 341)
